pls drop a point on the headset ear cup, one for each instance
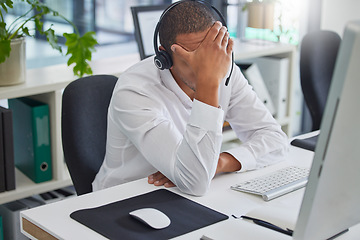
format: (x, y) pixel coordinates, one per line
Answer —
(163, 60)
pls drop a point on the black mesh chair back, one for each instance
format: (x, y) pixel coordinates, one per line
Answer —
(317, 62)
(83, 125)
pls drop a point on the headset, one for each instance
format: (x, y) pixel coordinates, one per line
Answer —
(162, 58)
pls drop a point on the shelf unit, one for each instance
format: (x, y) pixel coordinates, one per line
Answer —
(46, 84)
(245, 50)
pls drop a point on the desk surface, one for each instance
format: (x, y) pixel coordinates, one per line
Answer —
(54, 218)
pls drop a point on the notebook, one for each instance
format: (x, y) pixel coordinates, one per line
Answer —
(114, 222)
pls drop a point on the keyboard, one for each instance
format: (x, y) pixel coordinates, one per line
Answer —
(275, 184)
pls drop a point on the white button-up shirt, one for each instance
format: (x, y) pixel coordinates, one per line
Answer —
(154, 126)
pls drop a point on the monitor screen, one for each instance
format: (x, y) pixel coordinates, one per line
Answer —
(145, 20)
(331, 202)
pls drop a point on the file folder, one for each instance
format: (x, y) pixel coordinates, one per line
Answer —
(8, 148)
(1, 229)
(32, 138)
(275, 71)
(2, 159)
(253, 75)
(116, 223)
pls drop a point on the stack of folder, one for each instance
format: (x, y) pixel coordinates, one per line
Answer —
(253, 75)
(275, 71)
(32, 143)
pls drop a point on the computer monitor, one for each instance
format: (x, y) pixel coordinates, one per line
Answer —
(331, 202)
(145, 20)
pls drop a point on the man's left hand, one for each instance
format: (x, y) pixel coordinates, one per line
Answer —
(159, 179)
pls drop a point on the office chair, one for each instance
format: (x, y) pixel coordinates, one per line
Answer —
(85, 104)
(317, 61)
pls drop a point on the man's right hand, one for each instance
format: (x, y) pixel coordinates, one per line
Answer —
(210, 62)
(212, 58)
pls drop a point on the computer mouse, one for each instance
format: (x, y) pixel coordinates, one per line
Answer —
(151, 217)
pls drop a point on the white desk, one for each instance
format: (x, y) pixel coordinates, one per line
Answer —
(53, 222)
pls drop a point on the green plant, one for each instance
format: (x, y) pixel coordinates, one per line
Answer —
(79, 48)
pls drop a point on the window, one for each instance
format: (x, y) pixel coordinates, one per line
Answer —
(110, 19)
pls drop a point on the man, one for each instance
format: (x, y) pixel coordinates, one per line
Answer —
(170, 122)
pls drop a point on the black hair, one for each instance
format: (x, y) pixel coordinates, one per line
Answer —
(185, 17)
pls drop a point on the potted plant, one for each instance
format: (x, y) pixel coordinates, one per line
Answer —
(261, 14)
(12, 47)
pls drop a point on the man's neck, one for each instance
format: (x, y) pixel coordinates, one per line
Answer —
(186, 89)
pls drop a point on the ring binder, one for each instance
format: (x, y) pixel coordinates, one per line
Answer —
(32, 138)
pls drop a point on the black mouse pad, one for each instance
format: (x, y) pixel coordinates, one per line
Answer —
(114, 222)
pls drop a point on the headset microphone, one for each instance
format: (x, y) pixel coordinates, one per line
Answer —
(232, 67)
(162, 58)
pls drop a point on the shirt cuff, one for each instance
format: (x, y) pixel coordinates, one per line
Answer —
(245, 157)
(207, 117)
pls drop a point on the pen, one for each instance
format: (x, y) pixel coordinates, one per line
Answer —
(205, 238)
(269, 225)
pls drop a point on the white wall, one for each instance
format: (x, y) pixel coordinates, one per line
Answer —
(336, 13)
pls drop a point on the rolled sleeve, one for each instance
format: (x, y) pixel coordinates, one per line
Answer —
(208, 117)
(245, 157)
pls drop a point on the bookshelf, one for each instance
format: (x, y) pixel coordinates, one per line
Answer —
(46, 84)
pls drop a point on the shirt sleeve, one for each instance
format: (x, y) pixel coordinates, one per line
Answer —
(263, 141)
(198, 154)
(189, 159)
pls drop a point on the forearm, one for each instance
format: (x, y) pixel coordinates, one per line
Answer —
(207, 93)
(191, 164)
(266, 148)
(196, 161)
(262, 140)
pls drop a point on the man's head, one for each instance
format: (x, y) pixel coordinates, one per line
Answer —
(186, 17)
(198, 45)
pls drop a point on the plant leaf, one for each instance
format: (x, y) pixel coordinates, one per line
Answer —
(26, 31)
(3, 32)
(52, 39)
(39, 24)
(80, 49)
(5, 3)
(5, 49)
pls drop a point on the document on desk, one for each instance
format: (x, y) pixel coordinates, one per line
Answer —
(113, 220)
